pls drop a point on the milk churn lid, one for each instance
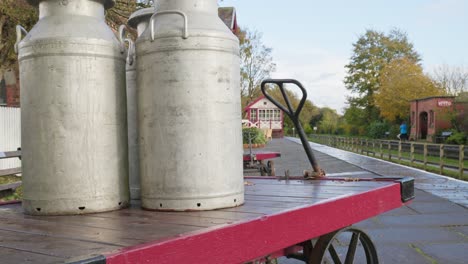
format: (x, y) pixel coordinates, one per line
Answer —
(107, 3)
(139, 15)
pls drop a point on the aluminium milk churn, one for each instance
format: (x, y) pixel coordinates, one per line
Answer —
(138, 20)
(189, 109)
(73, 116)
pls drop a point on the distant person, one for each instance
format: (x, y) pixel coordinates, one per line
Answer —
(403, 131)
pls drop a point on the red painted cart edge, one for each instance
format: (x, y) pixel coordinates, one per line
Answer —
(10, 202)
(262, 156)
(248, 240)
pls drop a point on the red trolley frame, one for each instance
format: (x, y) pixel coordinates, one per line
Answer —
(278, 217)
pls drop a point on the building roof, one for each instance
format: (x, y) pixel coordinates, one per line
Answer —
(267, 104)
(432, 97)
(253, 102)
(228, 16)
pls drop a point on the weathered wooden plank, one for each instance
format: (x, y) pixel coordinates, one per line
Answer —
(51, 246)
(10, 154)
(10, 186)
(10, 171)
(120, 232)
(16, 256)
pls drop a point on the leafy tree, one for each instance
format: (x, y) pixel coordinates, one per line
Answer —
(329, 122)
(371, 53)
(309, 110)
(12, 13)
(19, 12)
(119, 14)
(453, 79)
(401, 81)
(256, 64)
(356, 124)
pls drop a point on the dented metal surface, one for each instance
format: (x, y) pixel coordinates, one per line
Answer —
(74, 134)
(188, 108)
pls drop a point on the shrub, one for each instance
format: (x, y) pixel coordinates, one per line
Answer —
(458, 138)
(377, 129)
(258, 137)
(308, 129)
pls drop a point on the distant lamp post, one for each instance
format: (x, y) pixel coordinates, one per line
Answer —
(294, 134)
(315, 129)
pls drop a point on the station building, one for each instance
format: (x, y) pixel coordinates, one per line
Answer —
(431, 116)
(263, 114)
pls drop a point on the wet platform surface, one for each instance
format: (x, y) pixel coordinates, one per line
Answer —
(432, 229)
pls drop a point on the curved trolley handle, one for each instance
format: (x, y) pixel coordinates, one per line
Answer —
(294, 115)
(176, 12)
(19, 33)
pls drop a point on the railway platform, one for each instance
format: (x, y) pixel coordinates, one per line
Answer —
(432, 229)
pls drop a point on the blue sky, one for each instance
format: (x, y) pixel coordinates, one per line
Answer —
(312, 39)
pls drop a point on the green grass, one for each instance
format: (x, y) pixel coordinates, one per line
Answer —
(9, 179)
(419, 157)
(18, 194)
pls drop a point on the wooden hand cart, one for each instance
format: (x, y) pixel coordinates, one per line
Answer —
(254, 162)
(279, 218)
(307, 219)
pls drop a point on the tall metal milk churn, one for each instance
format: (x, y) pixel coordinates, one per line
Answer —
(138, 20)
(73, 116)
(189, 109)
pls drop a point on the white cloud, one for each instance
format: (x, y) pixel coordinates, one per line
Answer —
(321, 73)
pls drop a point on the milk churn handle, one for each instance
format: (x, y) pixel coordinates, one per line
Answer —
(122, 31)
(184, 16)
(19, 33)
(131, 51)
(294, 115)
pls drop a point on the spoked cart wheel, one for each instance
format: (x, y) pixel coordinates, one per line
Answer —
(347, 245)
(268, 169)
(271, 168)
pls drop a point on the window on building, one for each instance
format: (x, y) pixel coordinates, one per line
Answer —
(253, 115)
(276, 115)
(2, 92)
(269, 114)
(261, 114)
(412, 117)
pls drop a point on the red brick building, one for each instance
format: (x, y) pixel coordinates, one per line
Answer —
(9, 89)
(432, 115)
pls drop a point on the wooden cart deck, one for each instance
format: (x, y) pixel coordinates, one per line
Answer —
(276, 214)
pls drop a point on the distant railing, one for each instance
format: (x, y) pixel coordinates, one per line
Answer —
(451, 160)
(10, 155)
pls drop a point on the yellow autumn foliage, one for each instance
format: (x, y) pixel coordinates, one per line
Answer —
(401, 81)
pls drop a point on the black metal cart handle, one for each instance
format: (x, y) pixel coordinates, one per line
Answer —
(294, 115)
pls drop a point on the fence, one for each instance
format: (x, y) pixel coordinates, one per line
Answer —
(444, 159)
(10, 135)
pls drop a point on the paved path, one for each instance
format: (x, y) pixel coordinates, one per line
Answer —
(442, 186)
(432, 229)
